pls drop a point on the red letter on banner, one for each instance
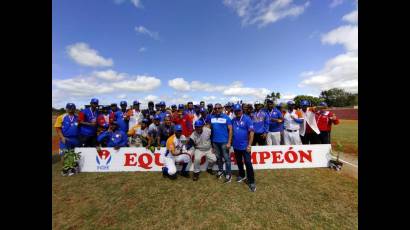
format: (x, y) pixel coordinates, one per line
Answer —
(263, 157)
(253, 156)
(130, 159)
(294, 156)
(276, 156)
(141, 162)
(157, 156)
(307, 156)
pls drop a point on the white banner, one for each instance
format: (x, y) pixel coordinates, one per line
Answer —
(262, 157)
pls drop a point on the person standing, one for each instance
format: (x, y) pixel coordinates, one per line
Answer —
(325, 119)
(153, 133)
(185, 120)
(149, 112)
(260, 123)
(87, 119)
(228, 110)
(163, 112)
(221, 126)
(308, 129)
(67, 129)
(103, 120)
(242, 140)
(293, 119)
(275, 128)
(201, 141)
(135, 115)
(165, 130)
(210, 108)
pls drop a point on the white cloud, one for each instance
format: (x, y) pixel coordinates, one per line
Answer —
(81, 87)
(342, 70)
(84, 55)
(109, 75)
(259, 93)
(151, 98)
(209, 98)
(122, 96)
(137, 3)
(351, 17)
(145, 31)
(335, 3)
(345, 35)
(179, 84)
(263, 12)
(140, 83)
(142, 49)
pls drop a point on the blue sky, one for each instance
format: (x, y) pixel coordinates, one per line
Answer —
(215, 50)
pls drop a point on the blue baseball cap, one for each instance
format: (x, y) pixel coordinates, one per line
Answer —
(173, 106)
(323, 104)
(181, 106)
(70, 106)
(157, 117)
(304, 103)
(136, 102)
(177, 128)
(269, 101)
(162, 103)
(201, 110)
(123, 103)
(94, 100)
(291, 102)
(145, 120)
(199, 123)
(237, 107)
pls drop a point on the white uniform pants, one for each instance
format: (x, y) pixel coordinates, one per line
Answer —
(292, 138)
(210, 157)
(169, 162)
(273, 138)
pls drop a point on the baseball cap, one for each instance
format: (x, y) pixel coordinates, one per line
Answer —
(201, 110)
(70, 106)
(94, 100)
(123, 103)
(162, 103)
(181, 106)
(136, 102)
(199, 123)
(178, 128)
(304, 103)
(156, 117)
(291, 102)
(258, 103)
(269, 101)
(173, 106)
(237, 107)
(323, 104)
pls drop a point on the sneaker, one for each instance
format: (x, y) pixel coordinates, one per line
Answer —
(64, 173)
(195, 177)
(71, 172)
(185, 174)
(228, 179)
(210, 171)
(252, 187)
(219, 174)
(240, 179)
(172, 177)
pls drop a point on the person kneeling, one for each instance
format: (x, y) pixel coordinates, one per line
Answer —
(201, 140)
(176, 153)
(114, 137)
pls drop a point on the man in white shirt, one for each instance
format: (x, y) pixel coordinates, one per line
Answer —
(135, 114)
(292, 121)
(308, 129)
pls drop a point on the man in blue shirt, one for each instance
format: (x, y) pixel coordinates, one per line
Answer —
(275, 124)
(260, 123)
(121, 117)
(114, 137)
(88, 124)
(221, 126)
(163, 112)
(242, 139)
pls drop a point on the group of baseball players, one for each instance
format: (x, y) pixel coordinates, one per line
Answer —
(190, 132)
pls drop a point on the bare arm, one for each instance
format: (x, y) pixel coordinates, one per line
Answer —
(228, 145)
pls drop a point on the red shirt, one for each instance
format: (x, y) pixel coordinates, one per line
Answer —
(186, 124)
(323, 121)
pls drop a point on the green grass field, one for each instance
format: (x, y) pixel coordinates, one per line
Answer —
(285, 199)
(347, 133)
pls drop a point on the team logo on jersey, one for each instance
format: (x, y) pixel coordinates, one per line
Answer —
(103, 159)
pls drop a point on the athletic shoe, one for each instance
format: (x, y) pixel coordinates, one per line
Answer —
(185, 174)
(228, 179)
(195, 177)
(210, 171)
(71, 172)
(240, 179)
(64, 173)
(219, 174)
(172, 177)
(252, 187)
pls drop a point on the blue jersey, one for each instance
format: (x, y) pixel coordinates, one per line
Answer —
(219, 124)
(69, 126)
(260, 122)
(88, 116)
(117, 138)
(275, 126)
(162, 115)
(119, 117)
(241, 128)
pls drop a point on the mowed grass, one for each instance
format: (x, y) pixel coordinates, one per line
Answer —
(347, 133)
(285, 199)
